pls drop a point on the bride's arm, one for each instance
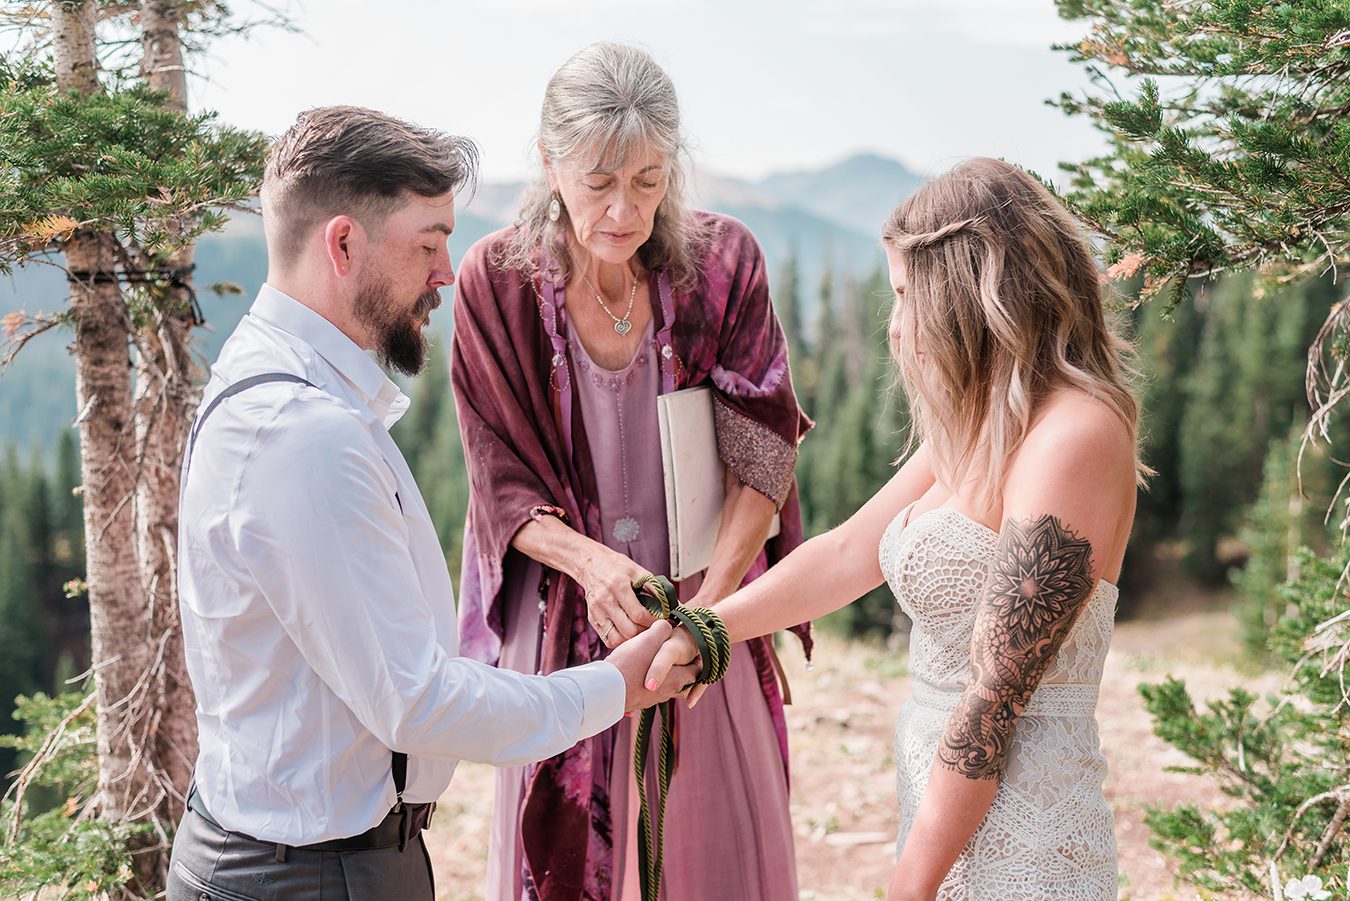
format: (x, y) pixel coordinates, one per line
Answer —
(820, 576)
(828, 571)
(1066, 510)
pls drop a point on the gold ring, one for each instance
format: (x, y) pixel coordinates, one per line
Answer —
(605, 636)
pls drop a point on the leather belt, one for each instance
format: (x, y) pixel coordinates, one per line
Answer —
(399, 827)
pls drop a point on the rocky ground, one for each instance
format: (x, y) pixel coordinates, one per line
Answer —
(841, 721)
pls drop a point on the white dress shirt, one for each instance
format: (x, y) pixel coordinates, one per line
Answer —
(318, 614)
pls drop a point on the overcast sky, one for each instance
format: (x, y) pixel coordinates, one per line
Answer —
(765, 85)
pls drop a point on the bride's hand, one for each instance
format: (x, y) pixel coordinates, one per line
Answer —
(613, 609)
(678, 650)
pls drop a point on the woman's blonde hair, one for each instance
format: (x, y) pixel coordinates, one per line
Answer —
(612, 100)
(1003, 300)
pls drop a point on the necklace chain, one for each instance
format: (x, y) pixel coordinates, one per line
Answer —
(622, 326)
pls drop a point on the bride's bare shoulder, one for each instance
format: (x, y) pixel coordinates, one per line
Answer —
(1072, 422)
(1078, 445)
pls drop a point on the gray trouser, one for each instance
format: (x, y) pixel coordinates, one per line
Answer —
(211, 864)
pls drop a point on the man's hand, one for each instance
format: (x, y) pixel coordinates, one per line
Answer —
(634, 658)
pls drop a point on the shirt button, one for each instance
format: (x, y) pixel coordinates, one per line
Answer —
(666, 351)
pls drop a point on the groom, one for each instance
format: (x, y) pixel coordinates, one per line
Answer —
(318, 614)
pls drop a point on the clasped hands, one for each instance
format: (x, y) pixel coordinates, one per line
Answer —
(658, 662)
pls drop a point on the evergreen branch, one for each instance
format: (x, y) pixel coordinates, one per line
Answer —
(48, 750)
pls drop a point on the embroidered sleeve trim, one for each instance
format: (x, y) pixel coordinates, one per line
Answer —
(754, 452)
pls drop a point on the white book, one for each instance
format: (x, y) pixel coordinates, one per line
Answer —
(694, 476)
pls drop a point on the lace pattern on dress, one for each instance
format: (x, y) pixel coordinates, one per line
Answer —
(1048, 700)
(1049, 834)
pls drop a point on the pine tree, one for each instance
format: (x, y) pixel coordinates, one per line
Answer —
(44, 568)
(1238, 397)
(1240, 163)
(1283, 770)
(1167, 342)
(1283, 519)
(1233, 155)
(68, 606)
(859, 428)
(70, 509)
(787, 304)
(106, 176)
(429, 439)
(21, 564)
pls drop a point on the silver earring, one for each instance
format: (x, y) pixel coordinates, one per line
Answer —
(554, 209)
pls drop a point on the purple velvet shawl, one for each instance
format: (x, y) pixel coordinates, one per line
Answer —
(509, 381)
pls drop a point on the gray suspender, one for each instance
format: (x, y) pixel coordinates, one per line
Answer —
(231, 391)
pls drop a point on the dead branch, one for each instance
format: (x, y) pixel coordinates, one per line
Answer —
(48, 750)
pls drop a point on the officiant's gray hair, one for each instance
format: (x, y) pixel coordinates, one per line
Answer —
(350, 160)
(613, 101)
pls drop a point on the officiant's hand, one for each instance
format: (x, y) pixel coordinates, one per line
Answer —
(677, 654)
(634, 660)
(615, 612)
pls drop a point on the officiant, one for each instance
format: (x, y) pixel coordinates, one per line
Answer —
(606, 293)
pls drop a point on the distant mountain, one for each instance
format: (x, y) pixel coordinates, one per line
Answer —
(715, 192)
(790, 229)
(811, 221)
(828, 218)
(859, 192)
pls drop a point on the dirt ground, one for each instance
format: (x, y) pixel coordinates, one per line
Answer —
(843, 780)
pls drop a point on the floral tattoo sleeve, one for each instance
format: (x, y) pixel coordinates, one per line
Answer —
(1041, 579)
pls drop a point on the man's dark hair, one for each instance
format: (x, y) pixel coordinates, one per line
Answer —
(349, 160)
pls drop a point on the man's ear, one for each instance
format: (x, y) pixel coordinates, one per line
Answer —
(343, 239)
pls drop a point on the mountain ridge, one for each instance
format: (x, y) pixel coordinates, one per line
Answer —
(816, 216)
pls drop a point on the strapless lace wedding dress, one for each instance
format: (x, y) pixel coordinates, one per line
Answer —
(1049, 835)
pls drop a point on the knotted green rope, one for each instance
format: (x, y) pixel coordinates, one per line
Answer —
(714, 647)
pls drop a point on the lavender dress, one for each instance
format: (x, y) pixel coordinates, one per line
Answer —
(728, 827)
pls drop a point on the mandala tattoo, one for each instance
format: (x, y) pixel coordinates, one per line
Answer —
(1041, 579)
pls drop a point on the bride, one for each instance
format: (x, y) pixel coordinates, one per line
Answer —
(1002, 536)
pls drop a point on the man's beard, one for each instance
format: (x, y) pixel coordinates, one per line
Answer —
(399, 342)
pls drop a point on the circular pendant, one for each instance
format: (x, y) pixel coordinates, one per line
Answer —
(623, 326)
(626, 529)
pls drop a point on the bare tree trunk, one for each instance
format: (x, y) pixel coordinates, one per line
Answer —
(162, 64)
(127, 645)
(103, 390)
(165, 401)
(73, 47)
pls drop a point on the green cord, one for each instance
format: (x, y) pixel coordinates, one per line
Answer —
(714, 647)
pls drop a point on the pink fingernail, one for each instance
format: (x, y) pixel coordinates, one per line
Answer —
(653, 685)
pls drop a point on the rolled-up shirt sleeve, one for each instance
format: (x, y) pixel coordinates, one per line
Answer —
(319, 522)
